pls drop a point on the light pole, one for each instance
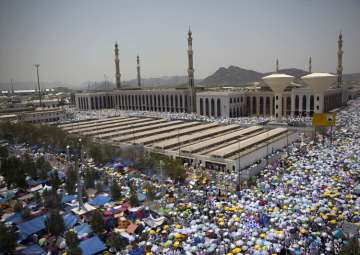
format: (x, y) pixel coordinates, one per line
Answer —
(81, 203)
(38, 82)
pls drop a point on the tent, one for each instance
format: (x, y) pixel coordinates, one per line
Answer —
(32, 250)
(92, 246)
(70, 220)
(30, 227)
(137, 251)
(68, 198)
(83, 230)
(100, 200)
(154, 223)
(14, 218)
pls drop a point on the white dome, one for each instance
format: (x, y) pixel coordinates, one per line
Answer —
(319, 82)
(278, 82)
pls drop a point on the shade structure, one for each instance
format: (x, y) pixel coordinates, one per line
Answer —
(92, 246)
(319, 82)
(30, 227)
(100, 200)
(278, 83)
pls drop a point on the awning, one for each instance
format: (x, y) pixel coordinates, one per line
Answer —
(30, 227)
(82, 230)
(100, 200)
(92, 246)
(70, 220)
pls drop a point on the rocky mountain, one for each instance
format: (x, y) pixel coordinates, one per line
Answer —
(236, 76)
(232, 75)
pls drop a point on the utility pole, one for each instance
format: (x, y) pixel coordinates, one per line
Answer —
(12, 87)
(38, 83)
(81, 203)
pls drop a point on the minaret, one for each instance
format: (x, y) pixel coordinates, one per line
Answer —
(310, 65)
(138, 71)
(117, 67)
(191, 73)
(339, 68)
(277, 65)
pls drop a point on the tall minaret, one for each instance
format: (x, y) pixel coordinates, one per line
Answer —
(117, 67)
(310, 65)
(138, 71)
(277, 65)
(191, 73)
(339, 68)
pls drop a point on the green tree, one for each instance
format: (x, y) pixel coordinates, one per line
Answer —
(55, 223)
(99, 187)
(28, 166)
(70, 180)
(18, 206)
(175, 170)
(12, 172)
(115, 190)
(97, 222)
(4, 153)
(43, 167)
(116, 241)
(133, 199)
(52, 200)
(89, 178)
(8, 238)
(84, 194)
(26, 213)
(351, 248)
(72, 242)
(54, 180)
(150, 191)
(37, 197)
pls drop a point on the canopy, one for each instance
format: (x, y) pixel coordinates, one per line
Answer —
(68, 198)
(30, 227)
(100, 200)
(83, 230)
(32, 250)
(137, 251)
(14, 218)
(70, 220)
(154, 222)
(92, 246)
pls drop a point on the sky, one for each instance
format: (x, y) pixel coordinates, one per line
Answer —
(73, 40)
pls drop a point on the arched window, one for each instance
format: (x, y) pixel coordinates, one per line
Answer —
(176, 103)
(267, 105)
(206, 107)
(218, 107)
(201, 106)
(167, 103)
(254, 105)
(297, 103)
(304, 104)
(261, 105)
(212, 107)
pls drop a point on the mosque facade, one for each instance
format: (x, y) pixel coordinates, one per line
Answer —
(296, 99)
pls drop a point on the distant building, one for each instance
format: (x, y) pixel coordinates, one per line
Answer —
(281, 98)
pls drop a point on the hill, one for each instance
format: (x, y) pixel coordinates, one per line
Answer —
(236, 76)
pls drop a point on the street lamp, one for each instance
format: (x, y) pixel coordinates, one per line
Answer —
(81, 204)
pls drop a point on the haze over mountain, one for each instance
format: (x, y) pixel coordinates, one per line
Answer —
(231, 76)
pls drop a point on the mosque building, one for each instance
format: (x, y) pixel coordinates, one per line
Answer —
(277, 95)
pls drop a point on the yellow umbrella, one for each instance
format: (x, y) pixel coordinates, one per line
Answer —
(236, 250)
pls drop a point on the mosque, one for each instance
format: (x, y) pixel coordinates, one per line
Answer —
(275, 95)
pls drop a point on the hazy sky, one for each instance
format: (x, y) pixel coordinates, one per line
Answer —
(73, 40)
